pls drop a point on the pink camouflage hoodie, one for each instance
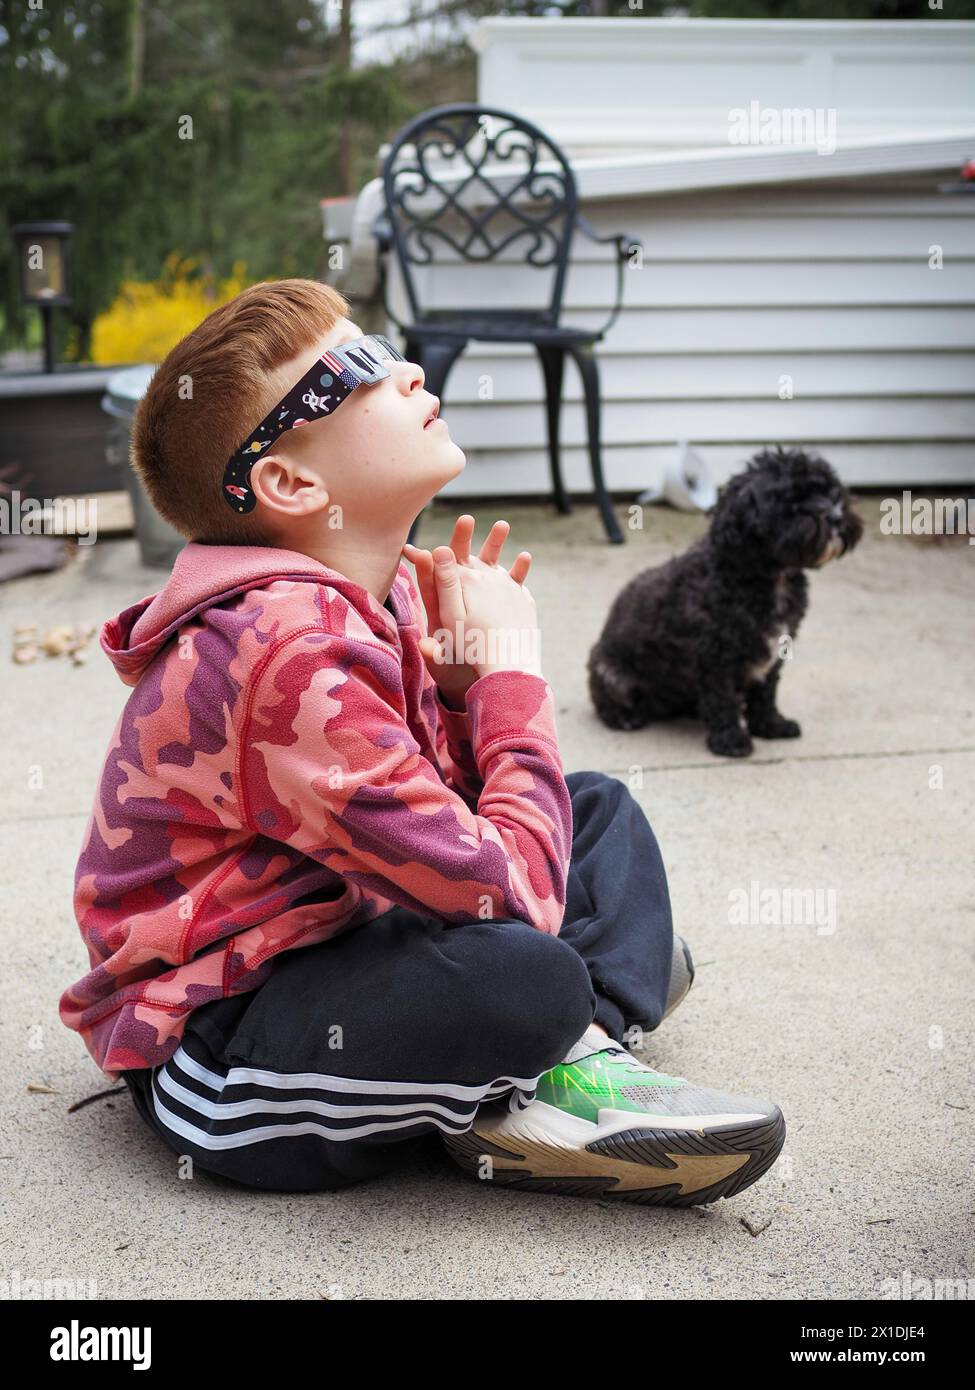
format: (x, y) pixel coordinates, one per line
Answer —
(283, 770)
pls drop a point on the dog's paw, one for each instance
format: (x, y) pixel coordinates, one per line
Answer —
(615, 717)
(733, 742)
(777, 727)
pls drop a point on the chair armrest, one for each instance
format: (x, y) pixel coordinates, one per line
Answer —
(624, 247)
(623, 241)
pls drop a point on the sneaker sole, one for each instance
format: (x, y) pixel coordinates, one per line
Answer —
(652, 1165)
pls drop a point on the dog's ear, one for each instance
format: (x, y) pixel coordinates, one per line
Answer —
(737, 515)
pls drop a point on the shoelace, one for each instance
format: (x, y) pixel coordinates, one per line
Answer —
(633, 1064)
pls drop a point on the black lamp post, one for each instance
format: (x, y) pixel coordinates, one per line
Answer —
(42, 251)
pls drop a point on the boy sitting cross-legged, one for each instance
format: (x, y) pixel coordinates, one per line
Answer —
(339, 897)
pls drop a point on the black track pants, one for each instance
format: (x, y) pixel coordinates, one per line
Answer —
(358, 1049)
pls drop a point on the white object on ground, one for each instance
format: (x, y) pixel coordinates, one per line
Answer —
(686, 483)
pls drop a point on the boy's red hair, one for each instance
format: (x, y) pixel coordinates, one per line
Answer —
(211, 390)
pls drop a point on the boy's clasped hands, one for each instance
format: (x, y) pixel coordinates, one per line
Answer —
(480, 616)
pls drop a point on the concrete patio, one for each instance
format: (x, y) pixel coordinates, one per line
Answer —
(862, 1034)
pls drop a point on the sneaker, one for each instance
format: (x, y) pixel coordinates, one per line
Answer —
(681, 975)
(602, 1124)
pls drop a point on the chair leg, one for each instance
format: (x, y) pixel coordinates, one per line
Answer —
(436, 359)
(585, 360)
(553, 359)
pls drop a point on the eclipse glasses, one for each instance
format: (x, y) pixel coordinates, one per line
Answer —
(329, 381)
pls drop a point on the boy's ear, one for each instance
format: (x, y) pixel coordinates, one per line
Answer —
(287, 484)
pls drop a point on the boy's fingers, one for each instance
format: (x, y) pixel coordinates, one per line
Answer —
(519, 570)
(422, 562)
(491, 549)
(460, 541)
(426, 582)
(450, 595)
(417, 557)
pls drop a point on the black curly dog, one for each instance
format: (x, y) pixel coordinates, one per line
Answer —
(702, 634)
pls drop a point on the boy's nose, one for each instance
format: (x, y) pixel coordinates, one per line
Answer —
(411, 373)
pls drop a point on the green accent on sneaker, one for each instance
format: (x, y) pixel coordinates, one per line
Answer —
(594, 1083)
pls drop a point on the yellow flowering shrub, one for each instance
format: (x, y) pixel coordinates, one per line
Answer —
(149, 317)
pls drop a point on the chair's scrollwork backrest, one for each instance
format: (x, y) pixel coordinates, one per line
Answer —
(469, 183)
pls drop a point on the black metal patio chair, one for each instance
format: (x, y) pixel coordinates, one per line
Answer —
(500, 180)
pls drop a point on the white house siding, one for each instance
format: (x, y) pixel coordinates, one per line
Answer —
(604, 86)
(761, 263)
(825, 283)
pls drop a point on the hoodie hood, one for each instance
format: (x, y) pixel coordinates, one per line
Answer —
(205, 575)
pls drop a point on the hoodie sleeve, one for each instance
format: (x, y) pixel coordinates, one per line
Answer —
(455, 753)
(330, 767)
